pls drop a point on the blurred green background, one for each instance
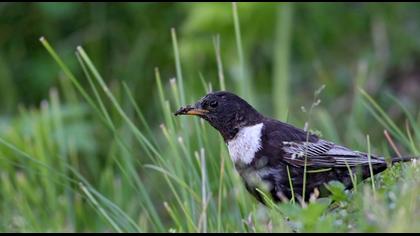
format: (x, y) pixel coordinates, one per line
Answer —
(127, 41)
(289, 51)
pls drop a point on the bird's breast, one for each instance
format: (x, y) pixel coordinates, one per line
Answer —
(245, 144)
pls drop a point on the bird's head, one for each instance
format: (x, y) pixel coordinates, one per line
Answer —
(225, 111)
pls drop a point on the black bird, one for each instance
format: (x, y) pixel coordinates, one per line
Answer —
(266, 151)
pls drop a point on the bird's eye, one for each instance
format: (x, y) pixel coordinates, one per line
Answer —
(213, 104)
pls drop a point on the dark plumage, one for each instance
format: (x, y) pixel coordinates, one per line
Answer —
(262, 148)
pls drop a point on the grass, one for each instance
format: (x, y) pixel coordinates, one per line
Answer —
(282, 59)
(177, 176)
(243, 80)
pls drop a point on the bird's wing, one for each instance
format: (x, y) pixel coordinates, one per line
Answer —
(325, 154)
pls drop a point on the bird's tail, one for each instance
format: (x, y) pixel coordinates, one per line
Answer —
(402, 159)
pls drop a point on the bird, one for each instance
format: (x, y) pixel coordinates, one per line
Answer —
(277, 158)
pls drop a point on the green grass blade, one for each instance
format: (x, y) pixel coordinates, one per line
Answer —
(281, 68)
(243, 82)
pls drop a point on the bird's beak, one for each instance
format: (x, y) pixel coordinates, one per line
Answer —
(195, 110)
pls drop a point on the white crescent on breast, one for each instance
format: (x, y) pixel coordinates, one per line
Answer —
(245, 144)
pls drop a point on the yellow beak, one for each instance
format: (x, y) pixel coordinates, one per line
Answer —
(191, 111)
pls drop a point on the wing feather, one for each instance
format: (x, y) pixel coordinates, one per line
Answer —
(325, 154)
